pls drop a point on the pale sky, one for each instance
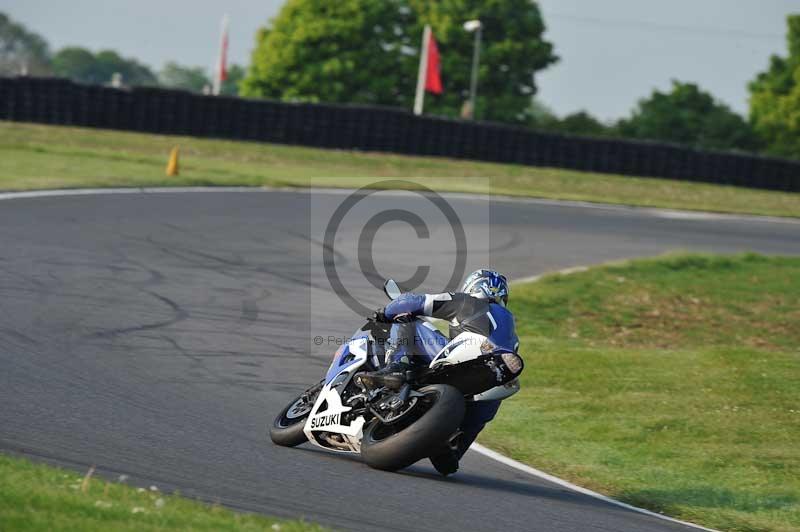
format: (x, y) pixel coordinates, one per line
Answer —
(613, 52)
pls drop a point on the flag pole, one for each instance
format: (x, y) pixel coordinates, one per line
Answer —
(423, 70)
(223, 57)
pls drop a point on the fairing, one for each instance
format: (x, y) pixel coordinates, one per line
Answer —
(503, 335)
(345, 357)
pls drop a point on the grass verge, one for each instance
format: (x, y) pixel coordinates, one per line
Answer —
(42, 157)
(39, 497)
(668, 383)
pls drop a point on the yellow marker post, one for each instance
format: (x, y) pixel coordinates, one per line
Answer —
(172, 165)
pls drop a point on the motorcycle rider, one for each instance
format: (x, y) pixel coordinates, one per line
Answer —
(478, 307)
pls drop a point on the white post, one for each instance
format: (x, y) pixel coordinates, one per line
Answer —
(223, 45)
(473, 84)
(423, 71)
(475, 26)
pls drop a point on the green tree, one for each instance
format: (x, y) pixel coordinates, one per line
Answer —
(367, 51)
(578, 123)
(344, 51)
(195, 79)
(77, 64)
(21, 51)
(512, 51)
(775, 99)
(230, 87)
(176, 76)
(582, 123)
(688, 115)
(133, 72)
(540, 115)
(543, 118)
(83, 66)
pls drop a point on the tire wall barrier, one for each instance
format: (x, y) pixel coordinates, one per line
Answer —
(351, 127)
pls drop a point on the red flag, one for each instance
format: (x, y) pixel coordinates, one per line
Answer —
(221, 67)
(223, 56)
(433, 79)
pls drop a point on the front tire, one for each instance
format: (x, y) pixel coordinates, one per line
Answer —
(393, 447)
(287, 428)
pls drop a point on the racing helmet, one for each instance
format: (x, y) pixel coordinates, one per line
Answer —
(487, 284)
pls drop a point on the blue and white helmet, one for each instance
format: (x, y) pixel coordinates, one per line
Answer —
(487, 284)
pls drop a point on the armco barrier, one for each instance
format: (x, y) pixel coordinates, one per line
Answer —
(153, 110)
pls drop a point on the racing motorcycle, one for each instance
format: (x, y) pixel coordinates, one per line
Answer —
(392, 429)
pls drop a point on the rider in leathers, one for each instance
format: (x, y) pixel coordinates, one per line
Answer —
(477, 307)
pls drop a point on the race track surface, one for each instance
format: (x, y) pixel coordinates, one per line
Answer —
(156, 335)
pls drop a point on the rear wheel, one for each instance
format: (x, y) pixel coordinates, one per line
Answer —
(287, 428)
(436, 415)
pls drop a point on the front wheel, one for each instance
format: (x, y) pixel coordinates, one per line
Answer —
(436, 417)
(287, 428)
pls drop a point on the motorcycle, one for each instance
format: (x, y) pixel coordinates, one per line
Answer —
(392, 429)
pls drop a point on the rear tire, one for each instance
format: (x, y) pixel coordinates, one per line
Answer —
(383, 449)
(287, 428)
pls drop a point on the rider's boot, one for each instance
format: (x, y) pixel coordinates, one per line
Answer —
(392, 376)
(446, 461)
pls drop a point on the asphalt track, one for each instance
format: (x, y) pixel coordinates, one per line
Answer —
(156, 334)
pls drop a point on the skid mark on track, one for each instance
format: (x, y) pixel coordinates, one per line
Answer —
(18, 336)
(513, 242)
(179, 315)
(249, 310)
(341, 259)
(250, 364)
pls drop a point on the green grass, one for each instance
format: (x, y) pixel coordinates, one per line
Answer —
(39, 497)
(669, 383)
(41, 157)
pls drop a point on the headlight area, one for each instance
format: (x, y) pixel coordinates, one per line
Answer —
(512, 361)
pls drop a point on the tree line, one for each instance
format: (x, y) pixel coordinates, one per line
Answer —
(366, 51)
(362, 51)
(24, 52)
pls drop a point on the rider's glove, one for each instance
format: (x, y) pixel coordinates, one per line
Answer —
(380, 316)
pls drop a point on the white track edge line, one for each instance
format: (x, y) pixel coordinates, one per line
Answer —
(519, 466)
(494, 455)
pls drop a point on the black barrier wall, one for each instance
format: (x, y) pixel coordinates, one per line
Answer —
(152, 110)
